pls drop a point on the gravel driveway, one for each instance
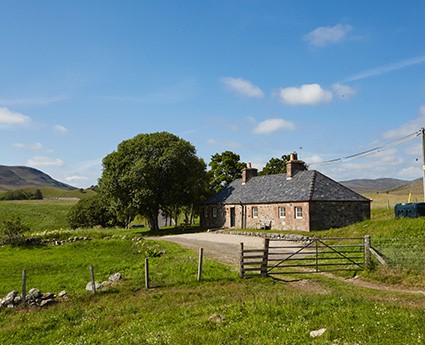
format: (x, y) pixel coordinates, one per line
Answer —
(224, 248)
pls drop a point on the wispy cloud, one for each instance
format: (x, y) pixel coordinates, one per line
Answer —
(43, 162)
(307, 94)
(224, 143)
(327, 35)
(409, 127)
(31, 147)
(60, 129)
(387, 68)
(273, 125)
(76, 178)
(242, 87)
(343, 91)
(8, 117)
(33, 101)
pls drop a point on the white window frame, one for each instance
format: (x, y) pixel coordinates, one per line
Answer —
(282, 212)
(214, 212)
(254, 212)
(298, 211)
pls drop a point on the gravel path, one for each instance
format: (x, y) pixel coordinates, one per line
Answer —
(223, 248)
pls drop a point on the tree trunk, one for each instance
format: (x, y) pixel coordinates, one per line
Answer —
(153, 222)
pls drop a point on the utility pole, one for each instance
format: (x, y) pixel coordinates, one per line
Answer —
(423, 157)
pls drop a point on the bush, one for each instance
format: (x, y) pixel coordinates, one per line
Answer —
(12, 231)
(91, 212)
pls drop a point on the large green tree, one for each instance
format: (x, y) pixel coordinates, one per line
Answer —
(275, 166)
(225, 168)
(151, 172)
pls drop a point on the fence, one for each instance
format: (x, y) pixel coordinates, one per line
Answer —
(281, 256)
(406, 253)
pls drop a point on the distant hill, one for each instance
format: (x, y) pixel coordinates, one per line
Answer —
(383, 185)
(18, 177)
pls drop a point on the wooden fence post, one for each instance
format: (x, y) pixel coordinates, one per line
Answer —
(201, 256)
(241, 266)
(367, 256)
(265, 257)
(147, 285)
(93, 281)
(24, 287)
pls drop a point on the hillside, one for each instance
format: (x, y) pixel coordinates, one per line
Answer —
(375, 186)
(17, 177)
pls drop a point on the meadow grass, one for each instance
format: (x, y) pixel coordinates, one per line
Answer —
(177, 308)
(38, 215)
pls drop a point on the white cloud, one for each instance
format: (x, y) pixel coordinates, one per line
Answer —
(343, 91)
(242, 87)
(388, 68)
(32, 147)
(35, 101)
(224, 143)
(42, 162)
(273, 125)
(76, 178)
(309, 94)
(409, 127)
(8, 117)
(60, 129)
(327, 35)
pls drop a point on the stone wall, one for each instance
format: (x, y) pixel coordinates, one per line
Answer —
(315, 215)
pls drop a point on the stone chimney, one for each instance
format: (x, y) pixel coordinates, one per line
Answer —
(294, 166)
(248, 172)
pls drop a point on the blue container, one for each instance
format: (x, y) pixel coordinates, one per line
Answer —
(411, 210)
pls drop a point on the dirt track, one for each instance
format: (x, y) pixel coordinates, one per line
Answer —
(225, 248)
(220, 247)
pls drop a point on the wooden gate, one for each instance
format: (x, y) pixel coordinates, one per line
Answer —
(313, 255)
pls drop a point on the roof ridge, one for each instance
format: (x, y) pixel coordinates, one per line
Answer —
(312, 184)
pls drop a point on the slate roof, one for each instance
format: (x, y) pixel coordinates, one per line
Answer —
(309, 185)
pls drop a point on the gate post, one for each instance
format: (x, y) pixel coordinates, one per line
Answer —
(367, 256)
(241, 264)
(265, 257)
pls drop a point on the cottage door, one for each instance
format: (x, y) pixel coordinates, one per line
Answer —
(232, 217)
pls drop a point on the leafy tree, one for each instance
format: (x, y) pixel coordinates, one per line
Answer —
(90, 212)
(151, 172)
(12, 230)
(225, 168)
(275, 166)
(38, 195)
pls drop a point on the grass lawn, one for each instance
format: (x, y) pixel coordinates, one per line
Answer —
(177, 308)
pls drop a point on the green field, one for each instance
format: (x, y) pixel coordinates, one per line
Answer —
(177, 307)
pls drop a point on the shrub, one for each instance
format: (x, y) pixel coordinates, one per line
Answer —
(12, 231)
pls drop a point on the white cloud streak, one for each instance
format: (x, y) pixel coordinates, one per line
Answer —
(307, 94)
(273, 125)
(43, 162)
(242, 87)
(32, 147)
(409, 127)
(387, 68)
(327, 35)
(60, 129)
(343, 91)
(10, 118)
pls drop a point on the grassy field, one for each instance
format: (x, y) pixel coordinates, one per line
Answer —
(177, 308)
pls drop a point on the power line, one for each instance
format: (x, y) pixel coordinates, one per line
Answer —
(372, 151)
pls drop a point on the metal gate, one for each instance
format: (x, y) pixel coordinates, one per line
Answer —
(313, 255)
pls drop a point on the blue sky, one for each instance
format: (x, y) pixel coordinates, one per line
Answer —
(263, 78)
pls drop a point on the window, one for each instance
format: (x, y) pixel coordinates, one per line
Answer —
(255, 212)
(298, 212)
(206, 212)
(214, 211)
(282, 212)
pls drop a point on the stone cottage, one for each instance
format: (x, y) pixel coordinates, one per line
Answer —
(301, 199)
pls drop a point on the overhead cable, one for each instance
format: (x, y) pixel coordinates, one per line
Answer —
(372, 151)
